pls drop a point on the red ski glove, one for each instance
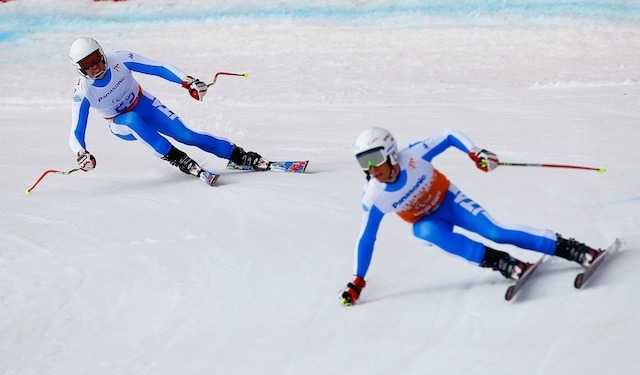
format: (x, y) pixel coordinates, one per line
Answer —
(197, 88)
(352, 292)
(485, 160)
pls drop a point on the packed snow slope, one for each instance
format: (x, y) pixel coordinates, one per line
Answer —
(135, 268)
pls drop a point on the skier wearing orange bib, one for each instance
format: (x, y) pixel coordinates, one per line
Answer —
(406, 183)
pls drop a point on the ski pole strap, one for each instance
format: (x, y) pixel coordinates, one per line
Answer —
(509, 164)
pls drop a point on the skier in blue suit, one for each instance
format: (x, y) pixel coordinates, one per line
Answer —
(406, 183)
(107, 85)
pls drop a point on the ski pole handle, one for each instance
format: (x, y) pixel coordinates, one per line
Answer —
(28, 191)
(215, 78)
(598, 169)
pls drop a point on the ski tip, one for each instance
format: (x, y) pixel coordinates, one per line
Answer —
(304, 168)
(209, 178)
(299, 166)
(579, 280)
(213, 180)
(509, 295)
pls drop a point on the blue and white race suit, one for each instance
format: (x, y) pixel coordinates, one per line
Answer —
(133, 113)
(424, 197)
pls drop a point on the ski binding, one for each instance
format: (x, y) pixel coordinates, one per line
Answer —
(513, 289)
(583, 277)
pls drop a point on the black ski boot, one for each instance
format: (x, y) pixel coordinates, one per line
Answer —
(250, 159)
(576, 251)
(183, 162)
(509, 267)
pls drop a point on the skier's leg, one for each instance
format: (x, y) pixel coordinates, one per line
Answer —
(457, 209)
(440, 233)
(466, 213)
(167, 122)
(471, 216)
(130, 126)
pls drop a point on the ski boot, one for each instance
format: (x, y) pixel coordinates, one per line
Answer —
(251, 159)
(181, 160)
(509, 267)
(576, 251)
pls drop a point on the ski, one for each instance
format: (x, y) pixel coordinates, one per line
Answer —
(515, 288)
(583, 277)
(285, 166)
(208, 177)
(290, 166)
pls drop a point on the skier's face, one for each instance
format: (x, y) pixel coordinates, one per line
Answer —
(385, 173)
(93, 65)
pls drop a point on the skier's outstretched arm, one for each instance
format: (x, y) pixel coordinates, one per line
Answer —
(138, 63)
(364, 251)
(484, 159)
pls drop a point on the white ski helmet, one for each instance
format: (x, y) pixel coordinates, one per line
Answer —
(374, 147)
(80, 49)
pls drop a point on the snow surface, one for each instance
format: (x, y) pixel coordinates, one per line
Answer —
(135, 268)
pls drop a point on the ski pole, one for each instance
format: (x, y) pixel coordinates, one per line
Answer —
(215, 78)
(599, 169)
(28, 191)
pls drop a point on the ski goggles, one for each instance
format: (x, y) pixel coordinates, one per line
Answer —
(371, 158)
(91, 61)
